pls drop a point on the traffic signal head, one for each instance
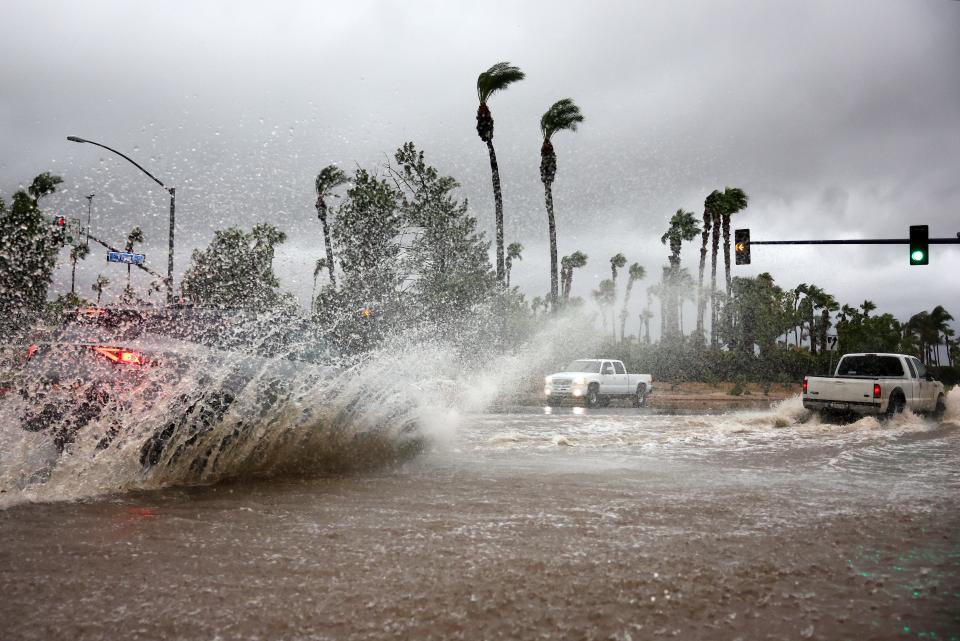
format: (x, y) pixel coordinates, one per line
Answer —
(741, 246)
(919, 245)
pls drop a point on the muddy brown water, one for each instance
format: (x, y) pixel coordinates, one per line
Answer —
(525, 524)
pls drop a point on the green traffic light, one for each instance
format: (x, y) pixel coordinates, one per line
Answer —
(917, 256)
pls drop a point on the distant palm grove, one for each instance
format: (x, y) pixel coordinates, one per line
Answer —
(398, 250)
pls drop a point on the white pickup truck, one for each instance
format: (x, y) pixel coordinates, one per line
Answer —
(875, 384)
(596, 381)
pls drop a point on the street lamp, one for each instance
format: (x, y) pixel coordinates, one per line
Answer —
(172, 191)
(89, 210)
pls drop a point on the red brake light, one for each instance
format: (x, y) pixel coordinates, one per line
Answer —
(120, 355)
(804, 386)
(876, 390)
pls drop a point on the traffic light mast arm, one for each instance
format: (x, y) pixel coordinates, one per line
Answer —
(857, 241)
(138, 265)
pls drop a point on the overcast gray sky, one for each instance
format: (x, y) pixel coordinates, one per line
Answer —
(839, 119)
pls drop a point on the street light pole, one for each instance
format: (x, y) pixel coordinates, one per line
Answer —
(171, 190)
(89, 209)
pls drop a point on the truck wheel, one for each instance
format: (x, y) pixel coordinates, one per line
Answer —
(896, 404)
(640, 398)
(553, 401)
(940, 409)
(592, 399)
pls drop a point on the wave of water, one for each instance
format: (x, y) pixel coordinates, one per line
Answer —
(786, 427)
(371, 413)
(414, 393)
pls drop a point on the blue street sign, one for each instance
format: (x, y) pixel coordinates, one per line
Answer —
(126, 257)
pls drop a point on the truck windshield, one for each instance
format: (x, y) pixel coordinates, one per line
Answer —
(870, 365)
(588, 367)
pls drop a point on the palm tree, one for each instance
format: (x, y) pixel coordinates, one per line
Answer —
(867, 306)
(135, 236)
(733, 200)
(635, 273)
(645, 316)
(815, 296)
(683, 291)
(499, 76)
(940, 322)
(715, 218)
(99, 285)
(605, 295)
(320, 265)
(513, 253)
(710, 204)
(617, 262)
(329, 178)
(683, 226)
(563, 114)
(797, 313)
(827, 304)
(77, 252)
(536, 304)
(576, 260)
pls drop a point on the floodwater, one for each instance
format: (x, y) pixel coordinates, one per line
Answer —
(527, 523)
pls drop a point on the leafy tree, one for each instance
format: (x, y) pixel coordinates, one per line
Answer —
(29, 245)
(236, 270)
(366, 237)
(857, 332)
(447, 257)
(514, 251)
(562, 115)
(320, 265)
(496, 78)
(366, 234)
(757, 314)
(329, 178)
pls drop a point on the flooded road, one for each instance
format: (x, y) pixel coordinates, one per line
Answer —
(523, 524)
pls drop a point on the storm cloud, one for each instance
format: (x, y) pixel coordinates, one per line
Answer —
(838, 119)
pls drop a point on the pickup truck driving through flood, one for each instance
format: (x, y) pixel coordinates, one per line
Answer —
(875, 384)
(596, 381)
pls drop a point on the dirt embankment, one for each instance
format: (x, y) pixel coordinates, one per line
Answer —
(703, 396)
(667, 395)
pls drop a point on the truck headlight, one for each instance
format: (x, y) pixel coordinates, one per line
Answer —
(579, 380)
(548, 380)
